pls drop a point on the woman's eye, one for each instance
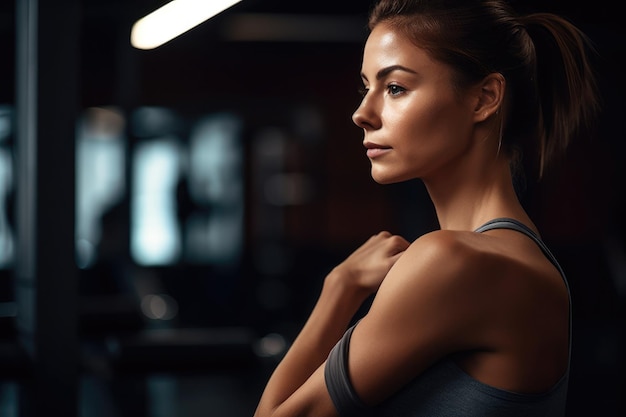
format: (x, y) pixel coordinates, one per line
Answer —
(363, 91)
(395, 90)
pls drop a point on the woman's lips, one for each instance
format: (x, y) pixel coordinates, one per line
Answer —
(374, 150)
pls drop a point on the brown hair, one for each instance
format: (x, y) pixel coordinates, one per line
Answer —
(551, 88)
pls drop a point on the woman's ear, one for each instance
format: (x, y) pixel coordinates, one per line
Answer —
(490, 96)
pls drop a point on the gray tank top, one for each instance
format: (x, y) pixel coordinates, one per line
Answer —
(444, 389)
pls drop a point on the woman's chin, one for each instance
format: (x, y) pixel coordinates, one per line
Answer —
(383, 179)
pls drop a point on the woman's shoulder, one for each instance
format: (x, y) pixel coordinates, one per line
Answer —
(446, 240)
(448, 284)
(452, 250)
(471, 263)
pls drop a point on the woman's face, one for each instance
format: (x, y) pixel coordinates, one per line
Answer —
(415, 123)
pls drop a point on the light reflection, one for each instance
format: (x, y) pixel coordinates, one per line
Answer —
(271, 345)
(214, 230)
(100, 176)
(187, 198)
(6, 234)
(155, 233)
(7, 250)
(159, 307)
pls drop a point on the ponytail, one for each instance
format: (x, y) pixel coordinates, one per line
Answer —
(565, 83)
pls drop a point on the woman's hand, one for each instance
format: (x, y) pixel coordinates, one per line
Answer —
(298, 384)
(368, 265)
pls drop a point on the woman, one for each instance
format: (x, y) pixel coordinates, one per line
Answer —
(472, 319)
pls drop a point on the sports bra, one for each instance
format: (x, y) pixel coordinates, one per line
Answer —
(444, 389)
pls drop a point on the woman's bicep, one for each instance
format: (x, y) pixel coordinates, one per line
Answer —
(419, 316)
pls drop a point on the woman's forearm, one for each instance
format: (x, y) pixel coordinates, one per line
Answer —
(328, 321)
(345, 289)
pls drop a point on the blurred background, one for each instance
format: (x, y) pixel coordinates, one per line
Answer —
(167, 216)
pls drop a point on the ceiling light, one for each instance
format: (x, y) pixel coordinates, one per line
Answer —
(174, 19)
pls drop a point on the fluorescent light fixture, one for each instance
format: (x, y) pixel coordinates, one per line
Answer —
(174, 19)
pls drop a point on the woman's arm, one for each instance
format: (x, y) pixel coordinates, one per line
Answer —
(344, 290)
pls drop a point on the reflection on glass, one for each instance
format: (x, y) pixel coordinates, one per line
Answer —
(155, 233)
(214, 230)
(6, 186)
(186, 198)
(100, 176)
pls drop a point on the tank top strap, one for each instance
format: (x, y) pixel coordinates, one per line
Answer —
(509, 223)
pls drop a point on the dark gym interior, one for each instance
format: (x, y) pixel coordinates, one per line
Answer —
(167, 216)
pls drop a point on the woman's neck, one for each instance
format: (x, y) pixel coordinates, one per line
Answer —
(466, 199)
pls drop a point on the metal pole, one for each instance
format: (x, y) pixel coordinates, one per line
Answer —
(45, 272)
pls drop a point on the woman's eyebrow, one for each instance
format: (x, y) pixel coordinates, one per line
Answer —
(387, 70)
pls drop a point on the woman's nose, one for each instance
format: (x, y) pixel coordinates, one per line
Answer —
(364, 116)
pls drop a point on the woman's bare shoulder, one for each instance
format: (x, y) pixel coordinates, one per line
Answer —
(451, 256)
(431, 304)
(479, 274)
(475, 257)
(449, 292)
(449, 272)
(466, 275)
